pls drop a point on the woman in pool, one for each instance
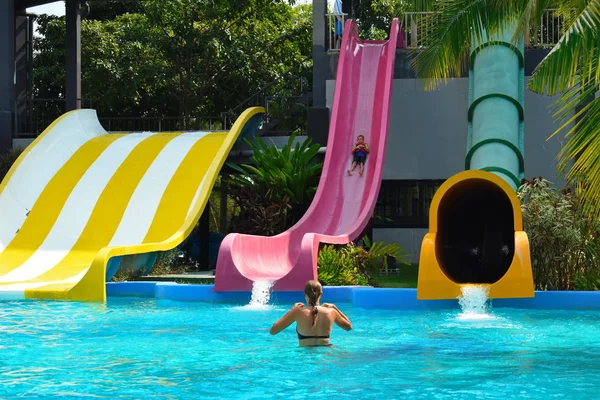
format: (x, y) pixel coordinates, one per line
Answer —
(313, 323)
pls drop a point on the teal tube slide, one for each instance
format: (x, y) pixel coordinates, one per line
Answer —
(495, 140)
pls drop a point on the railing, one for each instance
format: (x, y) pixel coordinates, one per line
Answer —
(162, 124)
(32, 116)
(335, 25)
(416, 27)
(549, 32)
(415, 30)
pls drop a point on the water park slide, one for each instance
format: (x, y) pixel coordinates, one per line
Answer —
(79, 196)
(475, 224)
(343, 205)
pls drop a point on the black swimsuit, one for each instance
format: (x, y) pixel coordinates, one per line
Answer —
(302, 337)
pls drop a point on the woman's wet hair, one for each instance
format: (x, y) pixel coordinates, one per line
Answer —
(313, 290)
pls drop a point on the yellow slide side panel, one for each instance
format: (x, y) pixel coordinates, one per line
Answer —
(433, 284)
(518, 280)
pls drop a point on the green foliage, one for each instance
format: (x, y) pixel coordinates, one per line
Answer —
(8, 159)
(354, 265)
(337, 267)
(588, 280)
(274, 191)
(564, 241)
(379, 254)
(110, 9)
(375, 16)
(174, 58)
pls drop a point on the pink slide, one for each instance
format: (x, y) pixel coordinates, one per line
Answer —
(343, 205)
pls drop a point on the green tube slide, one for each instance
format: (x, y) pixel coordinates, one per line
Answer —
(495, 139)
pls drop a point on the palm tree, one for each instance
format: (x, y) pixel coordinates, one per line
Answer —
(570, 68)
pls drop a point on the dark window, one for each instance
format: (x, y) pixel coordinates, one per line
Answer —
(404, 203)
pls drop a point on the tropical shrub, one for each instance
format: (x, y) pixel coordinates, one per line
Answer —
(274, 191)
(355, 265)
(564, 241)
(336, 267)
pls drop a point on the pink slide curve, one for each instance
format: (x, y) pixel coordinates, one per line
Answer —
(343, 205)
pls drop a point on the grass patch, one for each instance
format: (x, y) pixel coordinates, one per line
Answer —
(406, 278)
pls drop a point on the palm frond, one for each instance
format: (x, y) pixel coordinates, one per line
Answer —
(569, 10)
(582, 148)
(451, 30)
(528, 14)
(572, 61)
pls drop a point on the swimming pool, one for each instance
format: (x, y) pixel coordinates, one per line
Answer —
(142, 348)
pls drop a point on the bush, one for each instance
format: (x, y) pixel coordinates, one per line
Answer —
(354, 265)
(256, 214)
(274, 192)
(564, 241)
(337, 267)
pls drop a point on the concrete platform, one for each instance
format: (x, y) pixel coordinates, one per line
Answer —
(201, 277)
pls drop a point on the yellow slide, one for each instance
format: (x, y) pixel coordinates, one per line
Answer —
(78, 196)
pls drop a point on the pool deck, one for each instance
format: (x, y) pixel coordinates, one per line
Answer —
(358, 296)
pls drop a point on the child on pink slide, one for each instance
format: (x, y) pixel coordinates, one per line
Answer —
(360, 151)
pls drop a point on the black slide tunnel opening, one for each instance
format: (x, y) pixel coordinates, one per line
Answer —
(475, 242)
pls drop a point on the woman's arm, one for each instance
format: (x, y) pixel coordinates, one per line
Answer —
(340, 319)
(285, 321)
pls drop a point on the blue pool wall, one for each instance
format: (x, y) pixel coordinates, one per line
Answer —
(358, 296)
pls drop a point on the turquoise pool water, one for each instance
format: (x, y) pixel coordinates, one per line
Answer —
(138, 349)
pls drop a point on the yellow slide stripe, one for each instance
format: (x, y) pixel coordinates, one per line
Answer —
(107, 213)
(179, 194)
(48, 206)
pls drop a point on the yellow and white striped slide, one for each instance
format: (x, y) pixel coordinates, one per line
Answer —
(78, 196)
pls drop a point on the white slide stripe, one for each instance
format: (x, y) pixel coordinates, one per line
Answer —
(197, 195)
(39, 166)
(144, 202)
(209, 171)
(76, 211)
